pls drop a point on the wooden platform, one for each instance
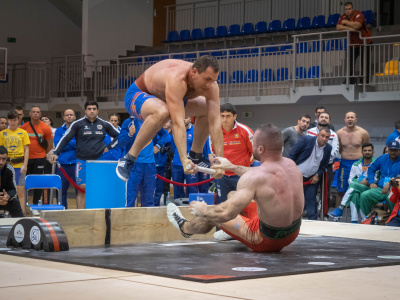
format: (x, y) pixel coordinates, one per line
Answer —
(127, 225)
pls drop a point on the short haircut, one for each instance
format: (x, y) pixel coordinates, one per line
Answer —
(205, 61)
(12, 115)
(326, 129)
(33, 106)
(325, 112)
(18, 107)
(51, 121)
(91, 102)
(228, 107)
(365, 145)
(319, 107)
(3, 150)
(271, 137)
(397, 124)
(384, 149)
(3, 118)
(305, 116)
(351, 112)
(348, 3)
(114, 115)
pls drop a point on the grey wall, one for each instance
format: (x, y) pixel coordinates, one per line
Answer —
(41, 30)
(115, 26)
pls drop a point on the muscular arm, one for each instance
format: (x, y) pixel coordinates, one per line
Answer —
(214, 121)
(365, 137)
(221, 163)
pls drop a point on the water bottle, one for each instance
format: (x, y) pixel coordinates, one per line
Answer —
(40, 202)
(167, 201)
(376, 220)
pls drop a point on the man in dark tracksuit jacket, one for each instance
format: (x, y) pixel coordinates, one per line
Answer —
(311, 154)
(89, 133)
(8, 189)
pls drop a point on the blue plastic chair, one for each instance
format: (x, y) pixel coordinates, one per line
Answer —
(289, 24)
(242, 52)
(177, 56)
(332, 20)
(237, 77)
(369, 16)
(216, 53)
(282, 74)
(222, 77)
(162, 57)
(43, 182)
(318, 22)
(267, 75)
(184, 35)
(316, 46)
(313, 72)
(247, 28)
(334, 45)
(190, 56)
(303, 23)
(234, 29)
(251, 76)
(261, 27)
(254, 51)
(209, 33)
(301, 73)
(197, 34)
(286, 48)
(173, 36)
(270, 50)
(274, 26)
(221, 31)
(302, 47)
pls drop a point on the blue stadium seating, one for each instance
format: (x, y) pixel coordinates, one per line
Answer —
(190, 56)
(301, 73)
(289, 24)
(333, 45)
(237, 77)
(234, 29)
(184, 35)
(282, 74)
(286, 48)
(254, 51)
(267, 75)
(247, 28)
(152, 59)
(162, 57)
(222, 78)
(332, 20)
(369, 16)
(302, 47)
(303, 23)
(204, 53)
(274, 26)
(242, 52)
(261, 27)
(251, 76)
(316, 46)
(177, 56)
(197, 34)
(270, 50)
(313, 72)
(173, 36)
(209, 33)
(221, 31)
(318, 21)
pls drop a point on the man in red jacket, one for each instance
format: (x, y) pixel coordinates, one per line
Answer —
(394, 219)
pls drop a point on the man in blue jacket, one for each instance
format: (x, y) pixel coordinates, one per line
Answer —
(389, 166)
(67, 157)
(311, 154)
(395, 135)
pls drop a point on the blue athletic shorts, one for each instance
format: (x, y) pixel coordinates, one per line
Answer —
(80, 171)
(344, 173)
(134, 99)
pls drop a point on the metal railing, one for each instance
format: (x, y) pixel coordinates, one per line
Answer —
(202, 14)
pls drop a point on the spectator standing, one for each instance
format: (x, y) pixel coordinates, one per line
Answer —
(67, 157)
(293, 133)
(117, 152)
(351, 138)
(16, 141)
(238, 148)
(394, 218)
(19, 110)
(89, 133)
(311, 154)
(41, 144)
(389, 167)
(8, 189)
(3, 123)
(318, 110)
(354, 21)
(395, 135)
(358, 183)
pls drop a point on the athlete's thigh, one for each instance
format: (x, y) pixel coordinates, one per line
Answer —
(153, 106)
(196, 107)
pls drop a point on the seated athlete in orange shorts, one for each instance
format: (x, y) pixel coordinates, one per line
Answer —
(271, 222)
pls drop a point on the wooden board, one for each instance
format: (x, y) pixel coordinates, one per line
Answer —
(147, 224)
(83, 227)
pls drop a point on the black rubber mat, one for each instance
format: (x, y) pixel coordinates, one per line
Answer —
(212, 261)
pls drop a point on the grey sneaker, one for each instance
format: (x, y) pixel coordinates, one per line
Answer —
(221, 235)
(124, 168)
(176, 218)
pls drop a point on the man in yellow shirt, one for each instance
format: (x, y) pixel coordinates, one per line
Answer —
(16, 141)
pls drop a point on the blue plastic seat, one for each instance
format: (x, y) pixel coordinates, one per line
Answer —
(43, 182)
(197, 34)
(267, 75)
(242, 52)
(184, 35)
(333, 45)
(274, 26)
(261, 27)
(282, 74)
(369, 16)
(152, 59)
(247, 28)
(289, 24)
(209, 33)
(216, 53)
(222, 77)
(316, 46)
(190, 56)
(251, 76)
(313, 72)
(303, 23)
(237, 77)
(332, 20)
(301, 73)
(234, 29)
(286, 48)
(318, 22)
(302, 47)
(204, 53)
(270, 50)
(162, 57)
(177, 56)
(173, 36)
(254, 51)
(221, 31)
